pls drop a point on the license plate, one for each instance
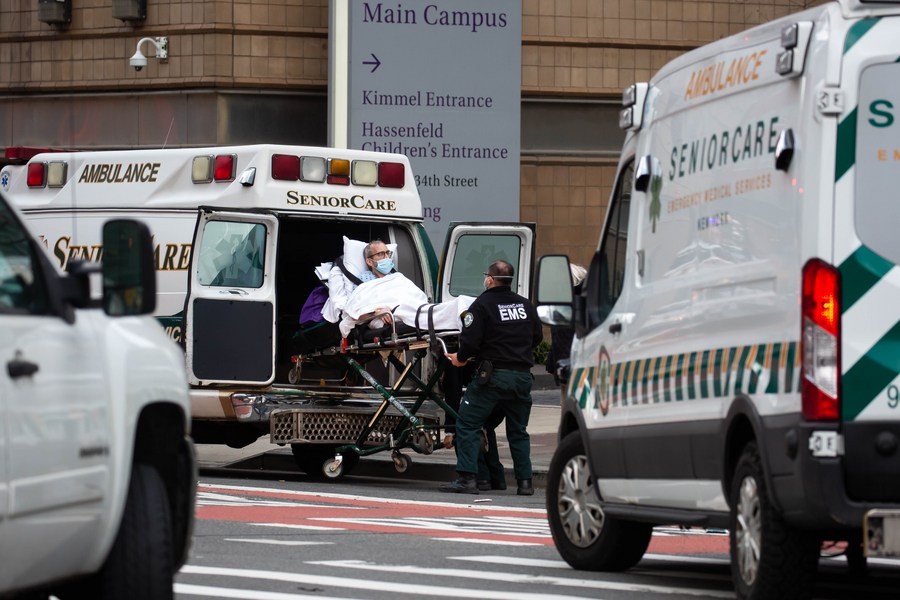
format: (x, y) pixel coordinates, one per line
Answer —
(882, 533)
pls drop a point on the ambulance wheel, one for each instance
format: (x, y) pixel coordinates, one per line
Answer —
(401, 462)
(769, 559)
(585, 537)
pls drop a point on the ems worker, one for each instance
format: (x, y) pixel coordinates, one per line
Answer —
(499, 330)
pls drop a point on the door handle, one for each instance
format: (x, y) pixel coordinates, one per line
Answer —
(18, 367)
(615, 328)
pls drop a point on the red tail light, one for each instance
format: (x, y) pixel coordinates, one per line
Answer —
(37, 174)
(391, 175)
(224, 167)
(285, 167)
(820, 342)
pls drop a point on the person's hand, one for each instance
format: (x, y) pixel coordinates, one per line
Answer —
(385, 315)
(453, 360)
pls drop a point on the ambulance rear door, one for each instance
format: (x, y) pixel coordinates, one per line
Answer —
(469, 250)
(230, 330)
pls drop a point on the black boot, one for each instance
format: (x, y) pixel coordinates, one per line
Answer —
(525, 487)
(464, 484)
(484, 485)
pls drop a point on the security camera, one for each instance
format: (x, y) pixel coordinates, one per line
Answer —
(161, 44)
(138, 61)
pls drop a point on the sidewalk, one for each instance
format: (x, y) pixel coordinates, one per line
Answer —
(439, 466)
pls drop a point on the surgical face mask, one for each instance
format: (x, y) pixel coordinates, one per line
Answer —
(384, 266)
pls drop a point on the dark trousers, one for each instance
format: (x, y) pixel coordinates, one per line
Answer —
(510, 392)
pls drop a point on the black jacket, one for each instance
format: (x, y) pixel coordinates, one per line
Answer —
(502, 327)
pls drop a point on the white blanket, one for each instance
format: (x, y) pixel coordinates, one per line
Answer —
(396, 290)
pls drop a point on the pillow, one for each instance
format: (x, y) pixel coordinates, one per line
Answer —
(353, 255)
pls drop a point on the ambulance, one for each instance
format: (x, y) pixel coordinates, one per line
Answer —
(239, 231)
(736, 362)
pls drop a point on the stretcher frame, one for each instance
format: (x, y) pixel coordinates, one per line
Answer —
(411, 430)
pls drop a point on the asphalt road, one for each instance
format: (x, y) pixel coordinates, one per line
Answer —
(277, 538)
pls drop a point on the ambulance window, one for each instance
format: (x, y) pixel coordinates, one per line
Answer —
(232, 254)
(474, 253)
(21, 287)
(608, 267)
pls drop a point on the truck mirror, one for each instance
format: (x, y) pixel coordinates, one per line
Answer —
(129, 278)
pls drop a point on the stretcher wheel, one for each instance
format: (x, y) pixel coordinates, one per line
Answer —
(424, 441)
(401, 462)
(334, 469)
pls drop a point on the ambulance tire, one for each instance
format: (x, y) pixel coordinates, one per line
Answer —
(315, 459)
(585, 537)
(769, 559)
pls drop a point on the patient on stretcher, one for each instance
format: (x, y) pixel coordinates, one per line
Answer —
(383, 293)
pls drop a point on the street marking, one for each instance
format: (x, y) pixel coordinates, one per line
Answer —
(527, 579)
(481, 541)
(511, 560)
(373, 585)
(293, 526)
(366, 499)
(276, 542)
(688, 559)
(484, 525)
(187, 589)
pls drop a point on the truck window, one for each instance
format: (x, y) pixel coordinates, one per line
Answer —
(21, 287)
(607, 275)
(232, 254)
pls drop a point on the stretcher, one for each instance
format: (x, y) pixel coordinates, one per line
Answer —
(361, 414)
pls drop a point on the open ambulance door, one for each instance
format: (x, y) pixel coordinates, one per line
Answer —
(230, 329)
(469, 250)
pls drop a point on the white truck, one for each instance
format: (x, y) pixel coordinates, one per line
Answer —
(736, 359)
(97, 469)
(293, 205)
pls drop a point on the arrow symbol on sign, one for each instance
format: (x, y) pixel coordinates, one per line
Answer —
(374, 61)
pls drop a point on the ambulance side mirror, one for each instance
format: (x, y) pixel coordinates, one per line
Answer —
(554, 295)
(646, 169)
(129, 277)
(784, 149)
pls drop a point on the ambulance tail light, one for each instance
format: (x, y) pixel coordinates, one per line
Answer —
(338, 171)
(820, 342)
(224, 167)
(391, 175)
(37, 175)
(285, 167)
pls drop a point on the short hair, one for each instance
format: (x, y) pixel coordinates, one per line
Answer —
(367, 251)
(500, 269)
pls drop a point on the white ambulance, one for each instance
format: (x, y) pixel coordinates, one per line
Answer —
(272, 213)
(737, 354)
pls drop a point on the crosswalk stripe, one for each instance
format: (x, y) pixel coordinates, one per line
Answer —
(295, 526)
(514, 561)
(186, 589)
(481, 541)
(372, 585)
(276, 542)
(528, 579)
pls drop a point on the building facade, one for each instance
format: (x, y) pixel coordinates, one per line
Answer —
(242, 71)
